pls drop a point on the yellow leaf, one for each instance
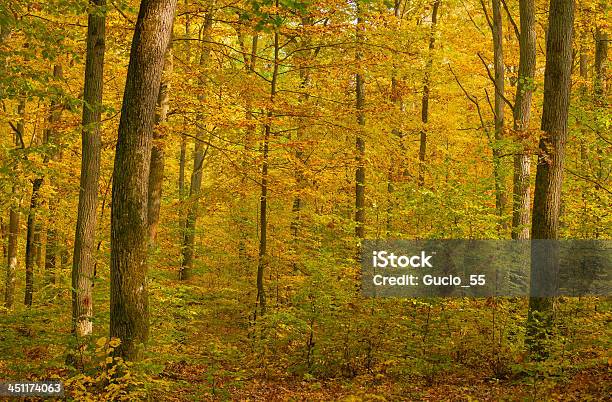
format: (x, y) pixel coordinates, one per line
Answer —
(101, 342)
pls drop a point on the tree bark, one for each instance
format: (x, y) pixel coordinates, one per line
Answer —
(521, 199)
(156, 172)
(425, 98)
(83, 262)
(196, 175)
(129, 302)
(549, 174)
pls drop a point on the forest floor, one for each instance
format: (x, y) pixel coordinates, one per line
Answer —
(203, 348)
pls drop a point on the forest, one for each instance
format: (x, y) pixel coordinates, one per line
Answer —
(187, 186)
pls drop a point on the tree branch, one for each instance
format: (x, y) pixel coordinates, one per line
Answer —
(510, 105)
(516, 30)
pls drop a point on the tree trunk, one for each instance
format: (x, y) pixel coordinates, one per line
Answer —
(300, 182)
(263, 199)
(521, 115)
(425, 98)
(601, 58)
(549, 174)
(498, 61)
(13, 237)
(51, 245)
(196, 175)
(156, 173)
(30, 246)
(183, 152)
(396, 98)
(3, 236)
(129, 301)
(14, 215)
(83, 262)
(244, 228)
(360, 140)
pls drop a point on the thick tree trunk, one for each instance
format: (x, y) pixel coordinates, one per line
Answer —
(549, 175)
(522, 113)
(129, 301)
(360, 145)
(196, 175)
(263, 199)
(425, 98)
(83, 263)
(498, 61)
(156, 172)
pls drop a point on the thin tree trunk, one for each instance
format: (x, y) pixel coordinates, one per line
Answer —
(3, 237)
(30, 246)
(196, 175)
(521, 115)
(263, 199)
(183, 152)
(396, 98)
(549, 175)
(601, 59)
(250, 60)
(83, 262)
(14, 217)
(425, 98)
(360, 144)
(13, 237)
(156, 172)
(298, 201)
(498, 61)
(51, 245)
(129, 300)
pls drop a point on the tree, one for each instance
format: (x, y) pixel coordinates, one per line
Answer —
(199, 152)
(30, 254)
(262, 261)
(51, 246)
(549, 174)
(601, 59)
(156, 171)
(425, 97)
(14, 217)
(499, 67)
(360, 145)
(83, 263)
(521, 114)
(129, 304)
